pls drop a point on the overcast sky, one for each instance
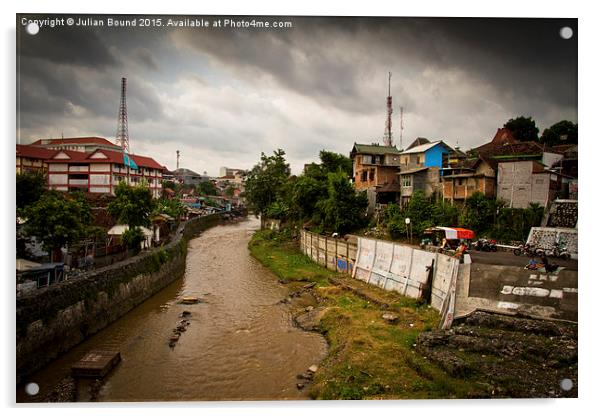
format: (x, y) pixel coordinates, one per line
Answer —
(223, 96)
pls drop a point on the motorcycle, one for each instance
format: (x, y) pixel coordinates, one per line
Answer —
(527, 250)
(484, 244)
(558, 250)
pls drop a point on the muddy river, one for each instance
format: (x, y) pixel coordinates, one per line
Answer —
(240, 343)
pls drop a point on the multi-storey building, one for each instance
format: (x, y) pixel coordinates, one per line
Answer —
(101, 171)
(420, 166)
(32, 158)
(78, 144)
(375, 170)
(466, 177)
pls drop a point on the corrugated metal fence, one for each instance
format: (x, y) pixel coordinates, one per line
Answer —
(332, 253)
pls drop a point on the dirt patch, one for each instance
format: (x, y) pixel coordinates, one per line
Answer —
(512, 357)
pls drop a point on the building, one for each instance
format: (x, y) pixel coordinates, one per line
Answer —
(522, 182)
(189, 177)
(420, 166)
(224, 171)
(376, 170)
(464, 178)
(32, 159)
(101, 171)
(504, 146)
(78, 144)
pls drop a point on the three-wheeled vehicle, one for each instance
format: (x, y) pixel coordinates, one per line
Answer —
(447, 238)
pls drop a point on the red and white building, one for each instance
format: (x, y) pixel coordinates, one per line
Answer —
(90, 164)
(32, 158)
(101, 171)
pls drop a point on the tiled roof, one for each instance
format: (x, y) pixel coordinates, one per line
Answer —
(34, 152)
(74, 140)
(112, 156)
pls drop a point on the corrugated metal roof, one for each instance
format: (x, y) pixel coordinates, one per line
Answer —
(424, 147)
(374, 149)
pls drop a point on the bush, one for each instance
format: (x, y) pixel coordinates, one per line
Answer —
(132, 238)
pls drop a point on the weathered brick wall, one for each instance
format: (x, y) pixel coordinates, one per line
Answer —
(56, 318)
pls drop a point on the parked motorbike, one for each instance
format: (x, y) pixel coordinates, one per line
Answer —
(558, 250)
(526, 250)
(484, 244)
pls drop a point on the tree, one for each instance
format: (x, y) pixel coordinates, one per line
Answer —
(132, 205)
(344, 209)
(207, 188)
(171, 207)
(563, 132)
(479, 212)
(55, 221)
(132, 238)
(523, 128)
(30, 187)
(334, 162)
(265, 181)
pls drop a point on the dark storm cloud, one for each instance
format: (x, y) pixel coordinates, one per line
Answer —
(229, 94)
(324, 57)
(67, 45)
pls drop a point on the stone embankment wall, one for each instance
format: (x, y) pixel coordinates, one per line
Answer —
(55, 319)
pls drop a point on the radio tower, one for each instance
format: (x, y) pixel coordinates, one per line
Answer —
(388, 137)
(400, 128)
(123, 139)
(177, 159)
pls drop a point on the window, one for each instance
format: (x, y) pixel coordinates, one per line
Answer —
(364, 176)
(406, 181)
(371, 175)
(460, 182)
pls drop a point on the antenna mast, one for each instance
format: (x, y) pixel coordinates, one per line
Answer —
(177, 159)
(388, 136)
(123, 139)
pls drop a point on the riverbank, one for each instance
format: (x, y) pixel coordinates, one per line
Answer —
(369, 357)
(405, 356)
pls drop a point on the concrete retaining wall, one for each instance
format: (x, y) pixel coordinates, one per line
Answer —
(55, 319)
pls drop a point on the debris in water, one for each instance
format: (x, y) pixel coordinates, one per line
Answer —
(189, 300)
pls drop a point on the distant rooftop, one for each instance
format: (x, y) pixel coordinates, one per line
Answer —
(374, 149)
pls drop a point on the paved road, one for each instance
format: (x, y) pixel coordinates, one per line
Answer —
(505, 258)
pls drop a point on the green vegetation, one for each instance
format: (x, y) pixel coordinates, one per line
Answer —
(207, 188)
(172, 207)
(132, 205)
(57, 219)
(485, 216)
(323, 195)
(368, 358)
(524, 129)
(30, 187)
(563, 132)
(279, 253)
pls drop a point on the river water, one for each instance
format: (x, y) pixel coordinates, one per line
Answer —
(240, 344)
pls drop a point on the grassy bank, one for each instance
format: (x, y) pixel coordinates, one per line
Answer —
(368, 357)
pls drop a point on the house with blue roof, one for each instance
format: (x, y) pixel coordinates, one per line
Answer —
(419, 167)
